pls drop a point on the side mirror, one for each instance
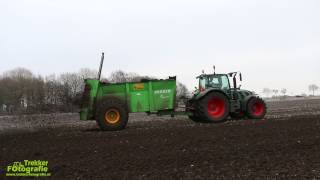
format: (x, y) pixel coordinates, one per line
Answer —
(240, 77)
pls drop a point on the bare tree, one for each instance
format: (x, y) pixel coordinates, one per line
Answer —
(15, 86)
(8, 93)
(313, 88)
(267, 91)
(21, 91)
(3, 94)
(182, 91)
(35, 95)
(284, 91)
(86, 73)
(72, 81)
(18, 73)
(121, 76)
(54, 94)
(118, 77)
(275, 92)
(72, 86)
(133, 77)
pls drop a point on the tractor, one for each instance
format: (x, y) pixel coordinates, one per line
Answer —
(212, 102)
(215, 99)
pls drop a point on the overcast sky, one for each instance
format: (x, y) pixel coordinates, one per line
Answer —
(275, 43)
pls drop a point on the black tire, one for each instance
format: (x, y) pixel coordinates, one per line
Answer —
(214, 108)
(106, 105)
(256, 108)
(238, 116)
(191, 104)
(195, 118)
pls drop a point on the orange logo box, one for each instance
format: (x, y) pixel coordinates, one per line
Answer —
(138, 86)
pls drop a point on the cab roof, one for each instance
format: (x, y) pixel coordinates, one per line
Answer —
(204, 75)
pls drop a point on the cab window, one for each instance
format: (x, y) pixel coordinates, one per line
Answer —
(214, 82)
(225, 82)
(202, 83)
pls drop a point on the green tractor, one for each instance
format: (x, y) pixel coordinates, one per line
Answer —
(216, 99)
(110, 103)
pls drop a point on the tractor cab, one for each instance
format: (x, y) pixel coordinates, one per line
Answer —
(219, 81)
(215, 81)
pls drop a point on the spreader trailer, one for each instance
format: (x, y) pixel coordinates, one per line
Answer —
(213, 101)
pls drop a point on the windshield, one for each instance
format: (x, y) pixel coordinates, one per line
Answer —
(214, 81)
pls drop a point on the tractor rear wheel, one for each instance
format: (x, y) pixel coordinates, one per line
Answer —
(191, 104)
(111, 114)
(256, 108)
(214, 107)
(195, 118)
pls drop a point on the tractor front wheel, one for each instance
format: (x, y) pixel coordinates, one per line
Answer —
(256, 108)
(111, 114)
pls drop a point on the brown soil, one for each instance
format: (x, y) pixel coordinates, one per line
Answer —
(285, 145)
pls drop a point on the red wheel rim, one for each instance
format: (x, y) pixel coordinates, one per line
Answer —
(257, 108)
(216, 107)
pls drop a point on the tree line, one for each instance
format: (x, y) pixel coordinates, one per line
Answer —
(21, 91)
(275, 92)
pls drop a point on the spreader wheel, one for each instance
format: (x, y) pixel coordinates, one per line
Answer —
(214, 107)
(111, 114)
(256, 108)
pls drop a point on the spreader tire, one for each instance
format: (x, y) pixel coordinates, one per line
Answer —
(111, 114)
(256, 108)
(214, 108)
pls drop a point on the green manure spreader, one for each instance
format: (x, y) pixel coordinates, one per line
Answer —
(213, 101)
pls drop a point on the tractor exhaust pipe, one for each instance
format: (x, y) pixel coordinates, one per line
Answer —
(101, 65)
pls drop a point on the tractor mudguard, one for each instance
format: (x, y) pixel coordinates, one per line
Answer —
(204, 93)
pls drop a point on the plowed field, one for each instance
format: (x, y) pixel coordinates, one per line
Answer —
(284, 145)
